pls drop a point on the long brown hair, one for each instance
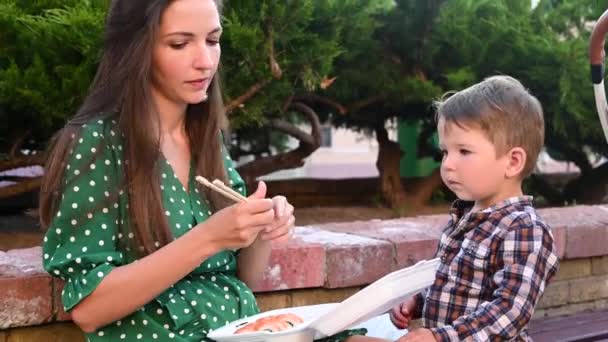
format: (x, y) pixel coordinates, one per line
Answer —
(122, 86)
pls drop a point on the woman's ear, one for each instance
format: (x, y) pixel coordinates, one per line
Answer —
(516, 161)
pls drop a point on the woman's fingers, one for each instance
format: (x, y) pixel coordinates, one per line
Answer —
(282, 232)
(264, 218)
(254, 206)
(260, 191)
(280, 206)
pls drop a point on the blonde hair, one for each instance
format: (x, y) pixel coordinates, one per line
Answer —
(504, 110)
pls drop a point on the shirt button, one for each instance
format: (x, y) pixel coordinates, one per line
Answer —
(442, 258)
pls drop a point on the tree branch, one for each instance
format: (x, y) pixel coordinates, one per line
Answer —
(23, 161)
(313, 119)
(15, 179)
(254, 89)
(21, 187)
(308, 143)
(275, 68)
(323, 100)
(16, 146)
(313, 138)
(364, 103)
(292, 130)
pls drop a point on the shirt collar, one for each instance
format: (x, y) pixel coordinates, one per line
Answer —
(460, 207)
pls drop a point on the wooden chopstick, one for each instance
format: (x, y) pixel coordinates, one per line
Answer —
(221, 184)
(221, 190)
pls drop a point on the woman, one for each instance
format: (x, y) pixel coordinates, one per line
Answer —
(146, 253)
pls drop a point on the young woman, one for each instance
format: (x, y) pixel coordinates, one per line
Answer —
(146, 253)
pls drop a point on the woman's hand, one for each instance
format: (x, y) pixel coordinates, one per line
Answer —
(238, 225)
(253, 260)
(281, 228)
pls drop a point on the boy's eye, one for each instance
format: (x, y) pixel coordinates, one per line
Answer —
(213, 41)
(464, 152)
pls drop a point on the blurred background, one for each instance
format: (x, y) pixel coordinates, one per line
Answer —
(330, 101)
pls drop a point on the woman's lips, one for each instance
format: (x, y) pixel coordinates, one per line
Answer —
(198, 84)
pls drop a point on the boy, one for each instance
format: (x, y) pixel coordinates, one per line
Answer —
(496, 253)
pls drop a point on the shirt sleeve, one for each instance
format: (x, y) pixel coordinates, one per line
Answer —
(80, 245)
(527, 260)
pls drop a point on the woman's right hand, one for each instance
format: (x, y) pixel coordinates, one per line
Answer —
(238, 225)
(402, 314)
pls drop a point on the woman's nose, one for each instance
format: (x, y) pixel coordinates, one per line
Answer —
(203, 58)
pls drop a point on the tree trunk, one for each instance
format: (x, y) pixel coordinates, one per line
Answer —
(308, 143)
(389, 157)
(590, 187)
(392, 187)
(553, 195)
(420, 192)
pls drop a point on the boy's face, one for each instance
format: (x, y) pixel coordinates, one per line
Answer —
(470, 167)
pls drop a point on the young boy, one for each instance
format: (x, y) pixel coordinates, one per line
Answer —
(497, 255)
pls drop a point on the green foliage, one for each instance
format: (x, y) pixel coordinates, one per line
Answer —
(308, 36)
(48, 56)
(400, 55)
(422, 49)
(49, 50)
(545, 48)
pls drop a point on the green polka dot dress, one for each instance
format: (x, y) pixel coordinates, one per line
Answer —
(82, 243)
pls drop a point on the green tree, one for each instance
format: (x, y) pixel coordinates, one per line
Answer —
(48, 55)
(547, 49)
(276, 56)
(425, 48)
(385, 77)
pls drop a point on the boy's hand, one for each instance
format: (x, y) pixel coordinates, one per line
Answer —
(401, 315)
(418, 335)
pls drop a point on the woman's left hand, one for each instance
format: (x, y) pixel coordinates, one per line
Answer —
(281, 229)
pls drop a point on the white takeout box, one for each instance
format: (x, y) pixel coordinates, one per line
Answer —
(328, 319)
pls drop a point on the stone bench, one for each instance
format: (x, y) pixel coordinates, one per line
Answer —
(330, 262)
(582, 327)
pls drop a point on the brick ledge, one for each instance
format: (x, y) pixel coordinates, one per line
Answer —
(332, 256)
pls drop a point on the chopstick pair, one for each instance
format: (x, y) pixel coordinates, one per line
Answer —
(219, 186)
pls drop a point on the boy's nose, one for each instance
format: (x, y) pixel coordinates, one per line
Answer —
(447, 163)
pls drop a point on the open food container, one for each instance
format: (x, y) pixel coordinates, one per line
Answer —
(328, 319)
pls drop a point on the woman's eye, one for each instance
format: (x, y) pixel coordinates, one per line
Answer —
(177, 46)
(213, 41)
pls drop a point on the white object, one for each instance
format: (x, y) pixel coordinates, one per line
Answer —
(382, 327)
(602, 106)
(329, 319)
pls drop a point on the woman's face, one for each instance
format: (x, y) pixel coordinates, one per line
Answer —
(186, 51)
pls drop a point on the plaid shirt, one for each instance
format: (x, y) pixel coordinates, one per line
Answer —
(495, 264)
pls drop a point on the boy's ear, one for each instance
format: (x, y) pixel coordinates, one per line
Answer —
(516, 162)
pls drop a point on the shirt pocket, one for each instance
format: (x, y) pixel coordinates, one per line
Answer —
(470, 266)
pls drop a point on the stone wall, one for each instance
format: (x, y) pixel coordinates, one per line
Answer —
(328, 263)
